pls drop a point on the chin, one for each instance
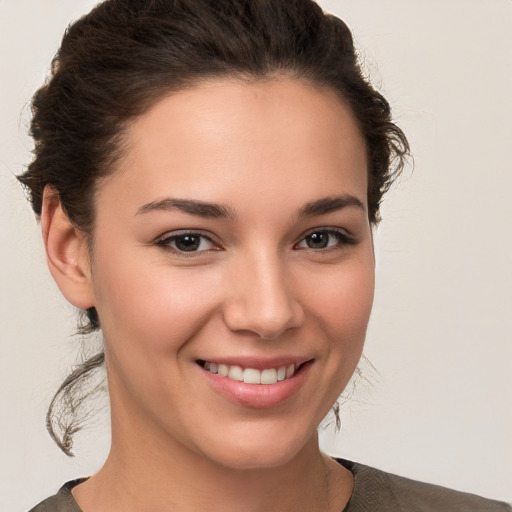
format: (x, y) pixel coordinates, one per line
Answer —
(260, 451)
(252, 460)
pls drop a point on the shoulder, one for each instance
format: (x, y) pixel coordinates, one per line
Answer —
(63, 501)
(378, 490)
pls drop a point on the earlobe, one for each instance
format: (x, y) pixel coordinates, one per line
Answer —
(66, 251)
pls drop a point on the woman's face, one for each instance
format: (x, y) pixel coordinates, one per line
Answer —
(234, 238)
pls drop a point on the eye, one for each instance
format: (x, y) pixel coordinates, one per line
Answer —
(325, 239)
(187, 242)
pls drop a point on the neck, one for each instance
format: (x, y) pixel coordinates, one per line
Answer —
(164, 475)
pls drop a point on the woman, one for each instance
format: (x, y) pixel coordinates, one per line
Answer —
(207, 178)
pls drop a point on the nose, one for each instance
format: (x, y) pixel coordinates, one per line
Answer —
(261, 299)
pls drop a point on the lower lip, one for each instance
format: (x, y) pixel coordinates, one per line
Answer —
(258, 395)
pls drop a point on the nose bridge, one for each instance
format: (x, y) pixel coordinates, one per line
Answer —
(262, 298)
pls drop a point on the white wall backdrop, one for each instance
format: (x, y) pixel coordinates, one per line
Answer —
(439, 405)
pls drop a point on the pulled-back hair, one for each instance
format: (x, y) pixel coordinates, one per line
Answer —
(125, 55)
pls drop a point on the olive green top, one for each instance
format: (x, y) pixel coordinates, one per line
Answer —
(374, 491)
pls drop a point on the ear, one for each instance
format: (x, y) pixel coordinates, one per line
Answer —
(66, 251)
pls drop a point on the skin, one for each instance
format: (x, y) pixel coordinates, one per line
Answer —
(263, 150)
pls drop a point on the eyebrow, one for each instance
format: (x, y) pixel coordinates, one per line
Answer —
(219, 211)
(330, 204)
(191, 207)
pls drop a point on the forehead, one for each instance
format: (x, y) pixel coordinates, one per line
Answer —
(224, 139)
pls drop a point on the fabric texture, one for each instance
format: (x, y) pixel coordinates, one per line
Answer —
(374, 491)
(63, 501)
(378, 491)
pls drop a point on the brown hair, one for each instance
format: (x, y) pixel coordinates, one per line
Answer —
(125, 55)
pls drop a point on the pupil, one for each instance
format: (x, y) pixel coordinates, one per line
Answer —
(318, 240)
(188, 243)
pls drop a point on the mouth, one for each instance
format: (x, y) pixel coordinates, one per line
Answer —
(254, 376)
(256, 383)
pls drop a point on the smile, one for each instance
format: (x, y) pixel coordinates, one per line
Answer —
(255, 383)
(251, 375)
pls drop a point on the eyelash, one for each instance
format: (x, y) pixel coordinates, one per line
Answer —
(165, 243)
(340, 235)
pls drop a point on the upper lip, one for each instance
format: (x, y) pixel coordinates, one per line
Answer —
(258, 363)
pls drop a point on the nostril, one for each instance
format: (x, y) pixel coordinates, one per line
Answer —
(263, 303)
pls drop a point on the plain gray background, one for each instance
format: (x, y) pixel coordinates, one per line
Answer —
(438, 407)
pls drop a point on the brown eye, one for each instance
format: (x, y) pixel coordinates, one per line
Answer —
(325, 239)
(317, 240)
(187, 243)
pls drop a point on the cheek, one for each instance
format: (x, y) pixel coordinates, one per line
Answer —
(342, 305)
(342, 300)
(154, 306)
(149, 313)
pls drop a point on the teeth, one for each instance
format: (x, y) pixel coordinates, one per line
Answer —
(269, 376)
(236, 373)
(251, 375)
